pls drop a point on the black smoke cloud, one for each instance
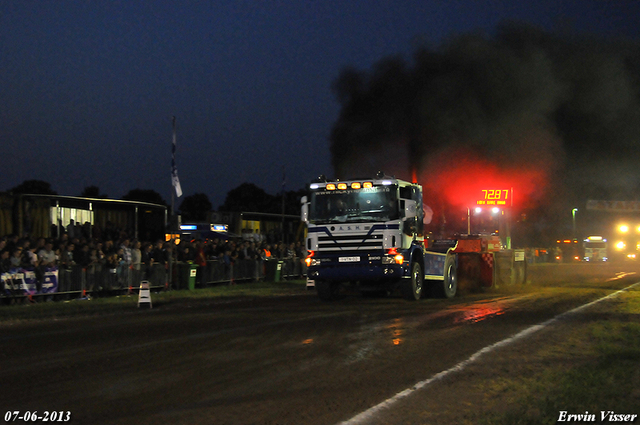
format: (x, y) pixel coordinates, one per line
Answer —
(568, 105)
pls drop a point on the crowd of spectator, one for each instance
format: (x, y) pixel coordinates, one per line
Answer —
(124, 253)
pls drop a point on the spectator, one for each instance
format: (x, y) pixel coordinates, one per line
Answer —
(66, 252)
(158, 254)
(125, 260)
(86, 230)
(201, 260)
(111, 264)
(5, 262)
(83, 256)
(146, 260)
(200, 256)
(265, 252)
(108, 248)
(5, 267)
(168, 250)
(66, 256)
(29, 257)
(16, 257)
(71, 229)
(218, 248)
(122, 269)
(249, 251)
(291, 251)
(94, 268)
(230, 256)
(126, 251)
(40, 243)
(185, 254)
(275, 250)
(47, 256)
(113, 260)
(136, 255)
(101, 258)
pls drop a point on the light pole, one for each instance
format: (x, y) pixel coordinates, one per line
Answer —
(573, 213)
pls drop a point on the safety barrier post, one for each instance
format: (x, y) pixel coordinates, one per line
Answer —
(167, 278)
(83, 282)
(130, 279)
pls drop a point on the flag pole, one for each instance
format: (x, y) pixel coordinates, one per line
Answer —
(282, 191)
(174, 223)
(173, 167)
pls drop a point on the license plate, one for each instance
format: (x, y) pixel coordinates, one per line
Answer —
(348, 259)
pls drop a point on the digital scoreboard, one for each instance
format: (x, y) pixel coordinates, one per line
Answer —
(495, 197)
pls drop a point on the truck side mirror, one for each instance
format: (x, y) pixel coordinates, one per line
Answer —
(408, 208)
(304, 212)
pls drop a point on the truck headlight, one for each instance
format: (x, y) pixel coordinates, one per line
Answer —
(396, 259)
(310, 261)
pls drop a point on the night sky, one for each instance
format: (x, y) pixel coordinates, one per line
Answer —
(89, 87)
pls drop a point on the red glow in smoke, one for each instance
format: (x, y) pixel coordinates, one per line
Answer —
(460, 179)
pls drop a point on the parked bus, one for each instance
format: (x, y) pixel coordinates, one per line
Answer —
(595, 249)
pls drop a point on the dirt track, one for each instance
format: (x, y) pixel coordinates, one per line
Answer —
(287, 360)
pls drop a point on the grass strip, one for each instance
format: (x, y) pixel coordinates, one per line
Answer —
(95, 306)
(596, 369)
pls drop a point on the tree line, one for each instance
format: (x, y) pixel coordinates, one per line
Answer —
(245, 198)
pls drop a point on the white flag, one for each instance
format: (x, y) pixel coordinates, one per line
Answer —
(176, 182)
(174, 170)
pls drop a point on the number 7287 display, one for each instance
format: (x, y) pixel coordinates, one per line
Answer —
(496, 197)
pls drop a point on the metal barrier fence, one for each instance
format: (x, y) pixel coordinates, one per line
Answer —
(100, 280)
(510, 268)
(218, 271)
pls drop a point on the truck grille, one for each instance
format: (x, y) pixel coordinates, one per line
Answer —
(353, 242)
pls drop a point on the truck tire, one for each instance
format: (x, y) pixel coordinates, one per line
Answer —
(448, 287)
(412, 288)
(327, 291)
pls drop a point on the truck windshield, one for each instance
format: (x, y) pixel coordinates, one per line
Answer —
(378, 203)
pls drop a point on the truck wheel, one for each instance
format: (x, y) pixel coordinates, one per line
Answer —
(412, 288)
(327, 291)
(449, 286)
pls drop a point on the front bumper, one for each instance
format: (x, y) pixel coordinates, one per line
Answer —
(369, 272)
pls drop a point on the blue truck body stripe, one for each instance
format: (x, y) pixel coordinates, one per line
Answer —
(325, 230)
